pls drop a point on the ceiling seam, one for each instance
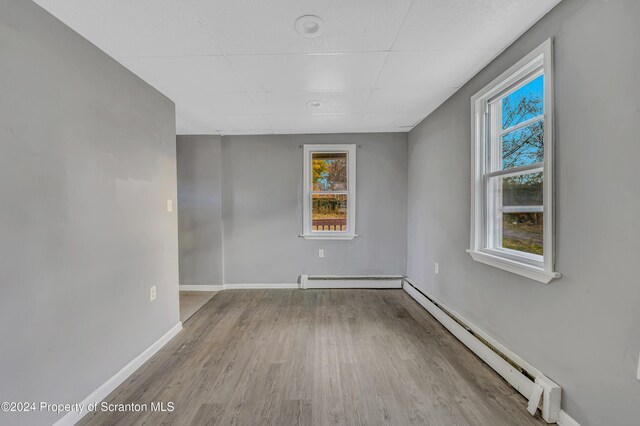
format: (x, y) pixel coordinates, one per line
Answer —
(228, 62)
(395, 39)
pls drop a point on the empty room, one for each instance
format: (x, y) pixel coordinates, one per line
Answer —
(327, 212)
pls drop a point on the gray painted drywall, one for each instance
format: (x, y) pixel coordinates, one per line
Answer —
(262, 209)
(200, 209)
(583, 330)
(87, 163)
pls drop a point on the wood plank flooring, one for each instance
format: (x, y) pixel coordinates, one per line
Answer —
(317, 357)
(192, 301)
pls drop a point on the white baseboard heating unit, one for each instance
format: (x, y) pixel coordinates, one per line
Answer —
(532, 384)
(350, 281)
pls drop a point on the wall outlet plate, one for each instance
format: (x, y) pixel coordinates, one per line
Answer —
(321, 253)
(152, 293)
(436, 269)
(169, 206)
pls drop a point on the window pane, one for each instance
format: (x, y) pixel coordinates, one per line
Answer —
(523, 190)
(329, 171)
(513, 222)
(523, 232)
(523, 104)
(524, 146)
(329, 212)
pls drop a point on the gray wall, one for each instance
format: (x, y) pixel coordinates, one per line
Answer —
(200, 209)
(583, 330)
(262, 209)
(87, 162)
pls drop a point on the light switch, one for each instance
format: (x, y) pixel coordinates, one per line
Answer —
(436, 269)
(169, 206)
(321, 253)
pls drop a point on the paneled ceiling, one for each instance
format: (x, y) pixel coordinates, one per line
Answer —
(240, 66)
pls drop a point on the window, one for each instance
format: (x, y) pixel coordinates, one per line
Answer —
(512, 176)
(329, 192)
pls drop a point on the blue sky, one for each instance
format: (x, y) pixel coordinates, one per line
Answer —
(533, 89)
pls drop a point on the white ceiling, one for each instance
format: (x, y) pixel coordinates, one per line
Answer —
(239, 67)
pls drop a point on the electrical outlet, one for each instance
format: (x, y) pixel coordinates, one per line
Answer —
(152, 293)
(169, 206)
(321, 253)
(436, 269)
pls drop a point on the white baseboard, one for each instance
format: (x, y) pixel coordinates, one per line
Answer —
(71, 418)
(354, 283)
(327, 281)
(201, 287)
(551, 391)
(346, 282)
(566, 420)
(256, 286)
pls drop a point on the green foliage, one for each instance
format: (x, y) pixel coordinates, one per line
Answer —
(523, 245)
(523, 190)
(329, 205)
(523, 232)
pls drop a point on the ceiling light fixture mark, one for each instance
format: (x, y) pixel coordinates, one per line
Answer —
(314, 104)
(309, 26)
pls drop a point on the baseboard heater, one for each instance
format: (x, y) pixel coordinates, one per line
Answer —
(541, 392)
(350, 281)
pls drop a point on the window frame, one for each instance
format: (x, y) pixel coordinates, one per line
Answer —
(307, 200)
(536, 267)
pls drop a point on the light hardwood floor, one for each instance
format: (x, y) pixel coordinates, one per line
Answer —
(317, 357)
(192, 301)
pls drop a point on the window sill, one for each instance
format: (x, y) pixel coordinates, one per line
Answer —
(515, 267)
(328, 237)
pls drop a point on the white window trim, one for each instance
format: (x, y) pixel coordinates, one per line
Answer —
(511, 260)
(307, 228)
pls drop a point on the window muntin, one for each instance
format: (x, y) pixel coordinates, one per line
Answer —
(329, 192)
(512, 211)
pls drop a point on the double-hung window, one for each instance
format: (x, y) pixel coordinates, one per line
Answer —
(512, 176)
(329, 192)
